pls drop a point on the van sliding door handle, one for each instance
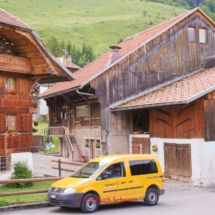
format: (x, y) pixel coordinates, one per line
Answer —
(130, 181)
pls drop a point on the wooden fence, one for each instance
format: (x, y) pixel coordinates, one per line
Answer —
(24, 181)
(62, 169)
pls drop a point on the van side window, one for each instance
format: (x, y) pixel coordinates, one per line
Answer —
(143, 167)
(116, 170)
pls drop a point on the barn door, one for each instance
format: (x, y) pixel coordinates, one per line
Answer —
(140, 145)
(177, 161)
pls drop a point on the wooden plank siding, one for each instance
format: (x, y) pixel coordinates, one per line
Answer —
(178, 122)
(177, 162)
(163, 59)
(209, 116)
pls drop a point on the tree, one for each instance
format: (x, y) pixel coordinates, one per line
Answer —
(62, 45)
(53, 46)
(69, 47)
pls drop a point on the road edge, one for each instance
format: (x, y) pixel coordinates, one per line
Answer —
(25, 206)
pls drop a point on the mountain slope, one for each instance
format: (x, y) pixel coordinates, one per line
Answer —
(97, 22)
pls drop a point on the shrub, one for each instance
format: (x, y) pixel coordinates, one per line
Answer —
(144, 12)
(4, 203)
(158, 13)
(20, 171)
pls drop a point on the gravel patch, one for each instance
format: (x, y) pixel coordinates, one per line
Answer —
(178, 186)
(42, 165)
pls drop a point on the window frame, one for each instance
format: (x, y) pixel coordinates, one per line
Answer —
(195, 40)
(8, 121)
(7, 84)
(206, 35)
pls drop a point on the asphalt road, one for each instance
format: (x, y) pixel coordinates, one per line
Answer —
(194, 201)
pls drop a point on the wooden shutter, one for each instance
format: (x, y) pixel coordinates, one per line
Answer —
(2, 123)
(1, 85)
(22, 122)
(2, 143)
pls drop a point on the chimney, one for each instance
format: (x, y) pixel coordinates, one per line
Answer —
(114, 55)
(69, 58)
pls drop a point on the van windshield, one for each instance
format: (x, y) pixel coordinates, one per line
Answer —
(89, 170)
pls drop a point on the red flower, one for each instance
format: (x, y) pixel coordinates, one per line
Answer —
(12, 91)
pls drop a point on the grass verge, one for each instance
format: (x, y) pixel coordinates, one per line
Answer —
(26, 198)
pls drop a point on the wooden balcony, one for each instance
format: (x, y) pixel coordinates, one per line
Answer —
(11, 63)
(56, 131)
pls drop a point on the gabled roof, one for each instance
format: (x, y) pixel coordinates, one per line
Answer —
(67, 63)
(6, 17)
(129, 45)
(184, 91)
(47, 65)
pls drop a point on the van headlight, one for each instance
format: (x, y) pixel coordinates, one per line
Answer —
(70, 190)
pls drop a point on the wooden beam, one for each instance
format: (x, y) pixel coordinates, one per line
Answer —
(29, 180)
(67, 99)
(67, 170)
(77, 164)
(50, 100)
(24, 192)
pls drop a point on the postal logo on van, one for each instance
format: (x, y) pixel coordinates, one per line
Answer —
(112, 185)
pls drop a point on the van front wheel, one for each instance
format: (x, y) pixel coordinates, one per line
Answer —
(151, 197)
(89, 203)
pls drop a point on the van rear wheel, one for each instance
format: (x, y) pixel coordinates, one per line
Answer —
(151, 197)
(89, 203)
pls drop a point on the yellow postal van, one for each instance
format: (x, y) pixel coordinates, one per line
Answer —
(110, 179)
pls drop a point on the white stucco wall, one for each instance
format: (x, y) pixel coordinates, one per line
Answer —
(25, 156)
(42, 107)
(202, 158)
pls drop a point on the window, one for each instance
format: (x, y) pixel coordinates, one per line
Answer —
(114, 171)
(202, 35)
(34, 100)
(10, 122)
(191, 34)
(82, 111)
(143, 167)
(3, 164)
(10, 84)
(89, 170)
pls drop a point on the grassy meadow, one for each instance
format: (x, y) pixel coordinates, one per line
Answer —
(97, 22)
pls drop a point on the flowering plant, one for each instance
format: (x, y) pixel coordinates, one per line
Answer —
(11, 92)
(103, 143)
(98, 145)
(13, 130)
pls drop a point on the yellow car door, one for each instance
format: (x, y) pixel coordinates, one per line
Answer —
(113, 183)
(136, 179)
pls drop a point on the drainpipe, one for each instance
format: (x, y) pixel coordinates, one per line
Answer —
(86, 94)
(107, 131)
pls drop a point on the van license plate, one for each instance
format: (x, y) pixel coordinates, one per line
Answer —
(53, 196)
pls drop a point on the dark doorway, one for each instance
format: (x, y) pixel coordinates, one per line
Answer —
(141, 121)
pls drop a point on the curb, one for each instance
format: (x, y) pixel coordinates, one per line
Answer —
(25, 206)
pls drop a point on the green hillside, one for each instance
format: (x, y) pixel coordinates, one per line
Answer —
(97, 22)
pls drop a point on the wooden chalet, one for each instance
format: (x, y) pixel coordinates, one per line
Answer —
(24, 64)
(154, 93)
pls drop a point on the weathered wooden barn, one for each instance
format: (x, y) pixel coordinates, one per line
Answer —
(24, 63)
(151, 94)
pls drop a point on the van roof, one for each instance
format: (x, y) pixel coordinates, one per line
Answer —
(110, 158)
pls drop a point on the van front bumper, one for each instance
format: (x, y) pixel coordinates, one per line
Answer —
(70, 200)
